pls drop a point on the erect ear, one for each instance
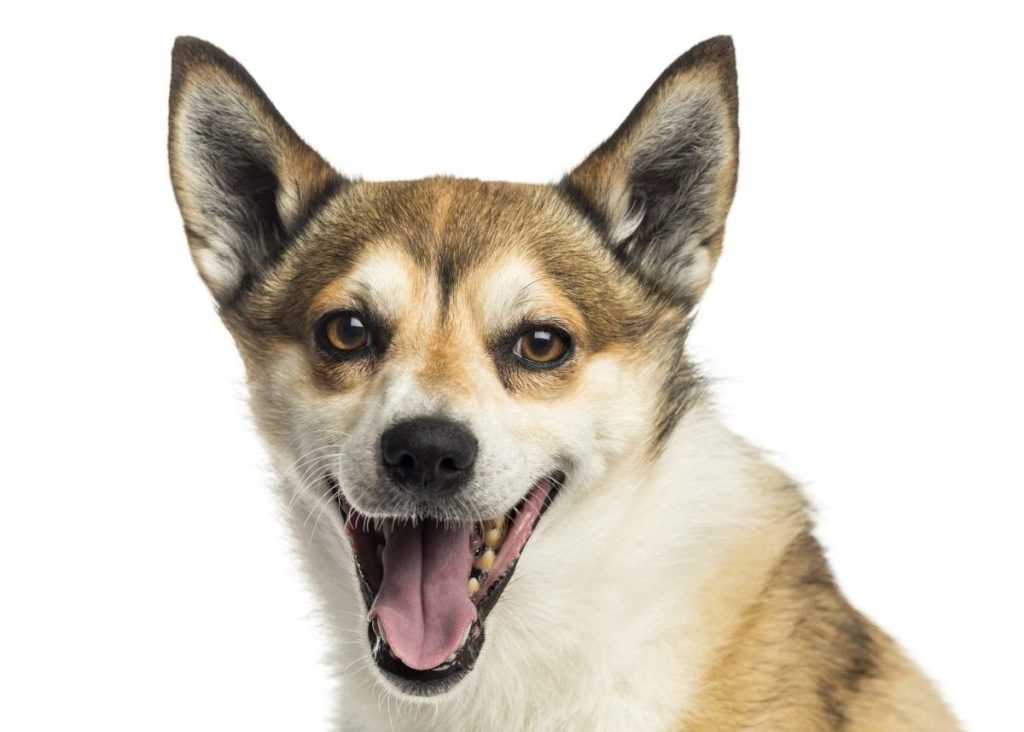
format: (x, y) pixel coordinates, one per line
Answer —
(244, 181)
(663, 183)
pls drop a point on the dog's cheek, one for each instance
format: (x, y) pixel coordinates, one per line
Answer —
(604, 416)
(619, 391)
(295, 415)
(594, 424)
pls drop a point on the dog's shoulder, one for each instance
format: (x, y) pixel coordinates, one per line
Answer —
(802, 658)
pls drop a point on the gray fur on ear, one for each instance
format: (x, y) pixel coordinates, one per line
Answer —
(662, 184)
(244, 181)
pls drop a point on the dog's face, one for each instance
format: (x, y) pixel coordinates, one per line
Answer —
(440, 361)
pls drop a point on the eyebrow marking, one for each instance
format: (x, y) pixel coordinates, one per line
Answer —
(382, 280)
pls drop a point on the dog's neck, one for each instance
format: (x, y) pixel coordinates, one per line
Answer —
(624, 597)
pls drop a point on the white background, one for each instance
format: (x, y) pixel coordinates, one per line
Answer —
(864, 321)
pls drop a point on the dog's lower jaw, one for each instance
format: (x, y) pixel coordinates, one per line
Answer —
(617, 604)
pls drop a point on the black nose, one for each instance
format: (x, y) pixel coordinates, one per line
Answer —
(428, 455)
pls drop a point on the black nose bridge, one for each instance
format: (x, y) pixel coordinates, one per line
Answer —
(430, 456)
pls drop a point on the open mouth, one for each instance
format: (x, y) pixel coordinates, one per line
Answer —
(429, 585)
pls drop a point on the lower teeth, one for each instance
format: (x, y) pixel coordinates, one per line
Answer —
(493, 533)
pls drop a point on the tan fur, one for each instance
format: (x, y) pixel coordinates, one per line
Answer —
(452, 268)
(800, 658)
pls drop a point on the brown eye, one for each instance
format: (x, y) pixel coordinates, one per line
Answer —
(343, 334)
(542, 346)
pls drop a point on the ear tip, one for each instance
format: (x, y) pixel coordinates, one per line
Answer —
(190, 55)
(184, 42)
(189, 51)
(719, 51)
(719, 45)
(187, 48)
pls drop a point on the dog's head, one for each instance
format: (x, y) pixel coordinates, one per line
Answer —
(440, 361)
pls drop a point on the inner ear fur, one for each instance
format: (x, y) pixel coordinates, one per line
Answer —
(663, 183)
(244, 181)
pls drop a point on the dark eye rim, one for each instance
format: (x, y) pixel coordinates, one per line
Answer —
(323, 341)
(570, 347)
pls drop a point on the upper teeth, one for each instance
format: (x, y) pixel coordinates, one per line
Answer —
(486, 560)
(494, 531)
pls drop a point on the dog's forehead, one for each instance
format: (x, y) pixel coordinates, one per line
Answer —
(494, 290)
(446, 235)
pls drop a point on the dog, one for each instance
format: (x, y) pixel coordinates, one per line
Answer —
(508, 481)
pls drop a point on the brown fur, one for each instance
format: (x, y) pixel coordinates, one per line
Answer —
(800, 658)
(791, 654)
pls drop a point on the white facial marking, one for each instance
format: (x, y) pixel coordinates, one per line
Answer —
(383, 280)
(510, 291)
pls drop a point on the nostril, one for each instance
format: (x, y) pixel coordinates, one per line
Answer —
(406, 462)
(447, 465)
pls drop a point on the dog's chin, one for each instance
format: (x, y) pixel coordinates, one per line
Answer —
(429, 585)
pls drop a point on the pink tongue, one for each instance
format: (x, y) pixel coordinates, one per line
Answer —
(423, 605)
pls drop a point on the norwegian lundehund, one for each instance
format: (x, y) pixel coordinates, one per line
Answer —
(507, 478)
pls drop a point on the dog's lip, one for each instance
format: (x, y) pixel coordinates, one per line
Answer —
(444, 676)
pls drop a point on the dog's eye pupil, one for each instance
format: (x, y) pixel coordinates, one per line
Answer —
(541, 345)
(347, 332)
